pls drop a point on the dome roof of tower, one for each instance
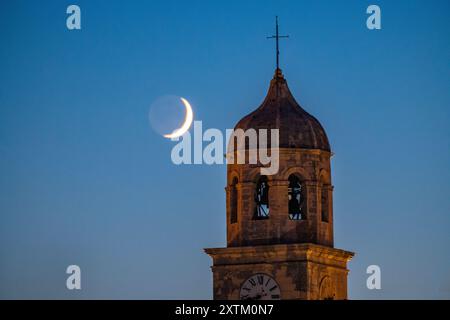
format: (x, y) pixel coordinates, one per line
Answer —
(279, 110)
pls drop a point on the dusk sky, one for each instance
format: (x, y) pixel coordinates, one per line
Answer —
(86, 180)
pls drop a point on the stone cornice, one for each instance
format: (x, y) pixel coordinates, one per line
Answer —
(280, 253)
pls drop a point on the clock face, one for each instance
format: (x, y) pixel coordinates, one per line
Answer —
(260, 286)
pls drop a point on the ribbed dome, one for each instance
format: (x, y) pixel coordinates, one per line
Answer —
(279, 110)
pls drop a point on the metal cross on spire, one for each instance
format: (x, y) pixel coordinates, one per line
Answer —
(277, 37)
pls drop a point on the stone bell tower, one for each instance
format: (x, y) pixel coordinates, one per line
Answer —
(280, 227)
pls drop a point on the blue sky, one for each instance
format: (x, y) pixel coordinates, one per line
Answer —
(85, 180)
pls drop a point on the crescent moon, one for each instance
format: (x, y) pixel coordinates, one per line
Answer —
(187, 121)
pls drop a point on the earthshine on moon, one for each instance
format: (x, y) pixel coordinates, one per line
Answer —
(187, 122)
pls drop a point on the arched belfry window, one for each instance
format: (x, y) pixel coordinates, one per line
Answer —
(297, 198)
(262, 199)
(233, 201)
